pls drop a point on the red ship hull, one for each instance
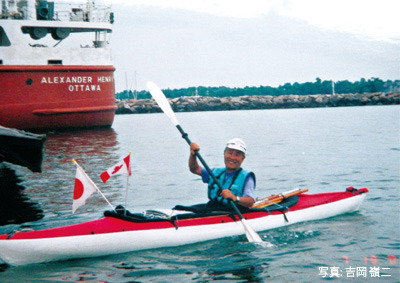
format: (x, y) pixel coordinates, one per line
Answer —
(57, 97)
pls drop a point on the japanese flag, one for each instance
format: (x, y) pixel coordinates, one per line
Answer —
(84, 187)
(122, 167)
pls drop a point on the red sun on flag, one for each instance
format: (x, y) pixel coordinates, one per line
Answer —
(83, 188)
(78, 189)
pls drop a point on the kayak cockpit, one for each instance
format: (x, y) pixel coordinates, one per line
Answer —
(180, 212)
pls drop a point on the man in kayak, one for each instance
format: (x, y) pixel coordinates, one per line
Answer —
(238, 184)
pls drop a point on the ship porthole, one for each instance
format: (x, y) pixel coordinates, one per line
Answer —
(29, 82)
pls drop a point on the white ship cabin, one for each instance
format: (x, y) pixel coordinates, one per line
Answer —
(39, 32)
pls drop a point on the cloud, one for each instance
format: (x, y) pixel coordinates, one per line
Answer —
(224, 8)
(377, 20)
(179, 48)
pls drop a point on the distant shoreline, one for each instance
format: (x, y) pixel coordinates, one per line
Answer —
(204, 103)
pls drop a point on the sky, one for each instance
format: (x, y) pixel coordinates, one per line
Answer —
(232, 43)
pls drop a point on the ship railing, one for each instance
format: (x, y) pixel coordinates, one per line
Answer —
(62, 12)
(99, 14)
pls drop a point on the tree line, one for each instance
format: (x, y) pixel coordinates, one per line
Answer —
(318, 87)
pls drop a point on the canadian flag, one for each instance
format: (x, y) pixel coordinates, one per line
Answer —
(84, 187)
(122, 167)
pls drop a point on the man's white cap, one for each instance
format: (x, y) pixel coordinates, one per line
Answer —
(237, 144)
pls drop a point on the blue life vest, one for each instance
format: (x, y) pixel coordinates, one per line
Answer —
(235, 184)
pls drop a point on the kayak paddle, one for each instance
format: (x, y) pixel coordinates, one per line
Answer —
(162, 101)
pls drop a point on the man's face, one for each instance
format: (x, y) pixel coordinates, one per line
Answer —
(233, 159)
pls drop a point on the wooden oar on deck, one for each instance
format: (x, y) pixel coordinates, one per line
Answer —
(264, 202)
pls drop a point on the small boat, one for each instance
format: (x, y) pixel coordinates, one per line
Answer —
(56, 68)
(22, 148)
(120, 231)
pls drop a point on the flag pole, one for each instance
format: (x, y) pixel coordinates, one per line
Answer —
(98, 190)
(127, 182)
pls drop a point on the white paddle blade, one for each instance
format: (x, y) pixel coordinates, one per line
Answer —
(251, 235)
(162, 101)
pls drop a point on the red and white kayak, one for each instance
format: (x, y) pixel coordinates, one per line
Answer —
(122, 231)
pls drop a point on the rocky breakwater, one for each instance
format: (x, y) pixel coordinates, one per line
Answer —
(202, 103)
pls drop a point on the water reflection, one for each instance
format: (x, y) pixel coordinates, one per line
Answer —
(95, 144)
(15, 206)
(229, 259)
(95, 150)
(52, 190)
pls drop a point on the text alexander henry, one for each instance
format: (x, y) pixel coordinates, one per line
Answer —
(78, 83)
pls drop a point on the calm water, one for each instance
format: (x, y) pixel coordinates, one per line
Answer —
(319, 149)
